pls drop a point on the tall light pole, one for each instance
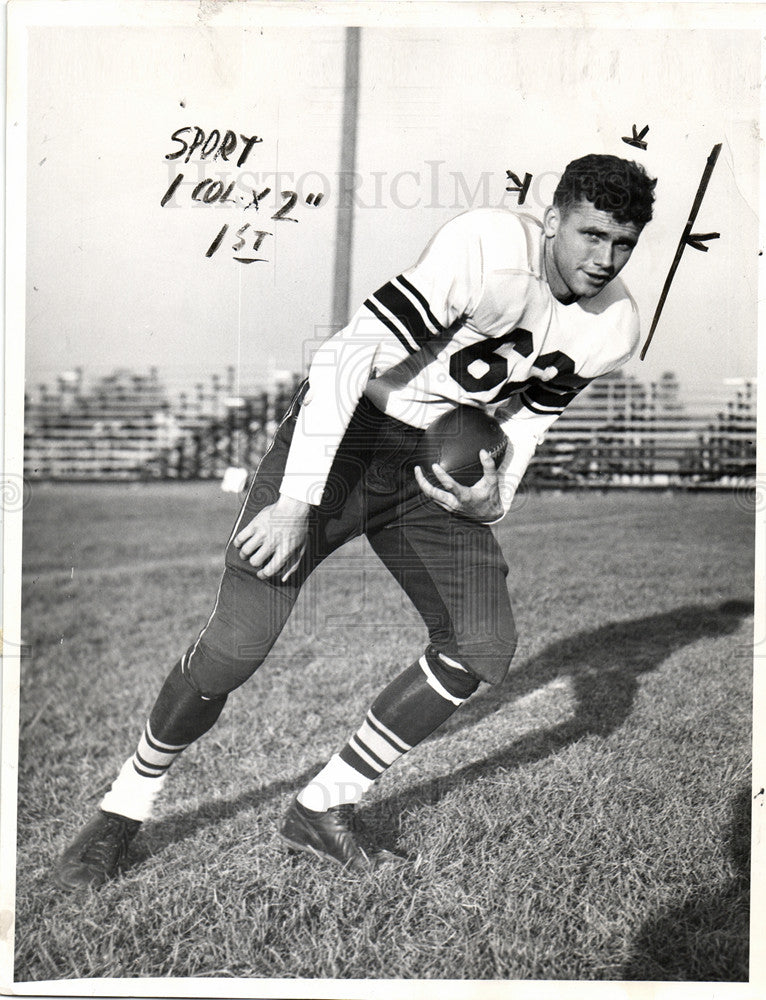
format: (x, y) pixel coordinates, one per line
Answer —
(344, 229)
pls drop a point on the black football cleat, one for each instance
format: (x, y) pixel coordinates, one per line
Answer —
(97, 853)
(327, 835)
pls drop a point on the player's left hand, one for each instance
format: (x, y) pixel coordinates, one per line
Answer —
(480, 502)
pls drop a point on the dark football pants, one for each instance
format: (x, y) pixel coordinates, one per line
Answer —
(451, 568)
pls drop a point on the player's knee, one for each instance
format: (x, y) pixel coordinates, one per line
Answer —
(490, 657)
(445, 672)
(216, 672)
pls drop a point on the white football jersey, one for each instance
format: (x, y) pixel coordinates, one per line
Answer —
(473, 322)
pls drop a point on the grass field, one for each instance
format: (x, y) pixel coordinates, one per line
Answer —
(588, 819)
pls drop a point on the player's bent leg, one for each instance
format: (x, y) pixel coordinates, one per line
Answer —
(408, 710)
(247, 617)
(455, 574)
(180, 715)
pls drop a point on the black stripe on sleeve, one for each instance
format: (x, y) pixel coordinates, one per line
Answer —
(536, 409)
(391, 326)
(540, 393)
(569, 382)
(401, 305)
(421, 299)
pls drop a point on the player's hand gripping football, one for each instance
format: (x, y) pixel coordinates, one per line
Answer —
(275, 540)
(480, 502)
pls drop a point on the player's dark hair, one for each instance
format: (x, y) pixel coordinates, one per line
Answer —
(621, 187)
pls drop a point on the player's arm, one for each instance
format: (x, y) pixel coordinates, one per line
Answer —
(393, 323)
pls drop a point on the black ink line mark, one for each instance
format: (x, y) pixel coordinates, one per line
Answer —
(217, 241)
(217, 192)
(759, 793)
(227, 193)
(171, 190)
(683, 242)
(193, 146)
(259, 236)
(200, 187)
(210, 144)
(250, 260)
(637, 138)
(521, 186)
(176, 137)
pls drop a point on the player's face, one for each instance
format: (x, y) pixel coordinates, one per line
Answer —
(584, 249)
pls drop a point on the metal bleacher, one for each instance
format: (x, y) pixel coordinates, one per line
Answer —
(128, 426)
(620, 432)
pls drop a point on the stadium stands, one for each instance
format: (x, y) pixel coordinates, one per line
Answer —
(620, 432)
(126, 426)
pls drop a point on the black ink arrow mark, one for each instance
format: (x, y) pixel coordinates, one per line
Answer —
(695, 240)
(687, 239)
(637, 138)
(521, 186)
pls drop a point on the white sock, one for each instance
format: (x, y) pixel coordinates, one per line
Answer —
(132, 794)
(335, 785)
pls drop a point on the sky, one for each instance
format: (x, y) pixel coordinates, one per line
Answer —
(114, 278)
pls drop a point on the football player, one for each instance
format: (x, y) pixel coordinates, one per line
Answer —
(500, 312)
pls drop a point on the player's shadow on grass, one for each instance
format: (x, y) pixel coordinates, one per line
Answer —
(704, 937)
(604, 666)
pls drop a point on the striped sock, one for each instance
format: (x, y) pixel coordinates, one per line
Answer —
(131, 794)
(373, 748)
(137, 786)
(180, 715)
(405, 712)
(350, 773)
(153, 757)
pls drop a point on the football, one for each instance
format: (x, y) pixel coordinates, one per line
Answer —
(454, 440)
